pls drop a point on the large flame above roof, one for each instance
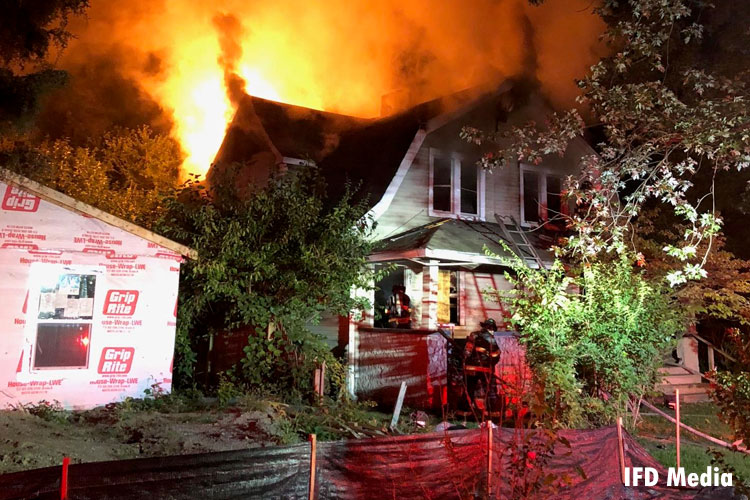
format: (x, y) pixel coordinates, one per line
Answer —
(194, 58)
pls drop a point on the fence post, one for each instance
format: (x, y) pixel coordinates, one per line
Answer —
(64, 479)
(399, 403)
(489, 459)
(677, 418)
(621, 449)
(313, 442)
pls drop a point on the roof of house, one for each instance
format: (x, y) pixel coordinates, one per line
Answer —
(65, 201)
(364, 152)
(459, 240)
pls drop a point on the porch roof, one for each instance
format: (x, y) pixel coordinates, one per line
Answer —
(456, 240)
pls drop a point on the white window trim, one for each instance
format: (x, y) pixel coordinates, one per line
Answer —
(456, 161)
(542, 174)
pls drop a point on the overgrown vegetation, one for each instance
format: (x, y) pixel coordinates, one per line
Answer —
(594, 339)
(273, 260)
(127, 172)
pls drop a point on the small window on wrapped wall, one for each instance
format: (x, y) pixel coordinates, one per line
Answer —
(448, 297)
(64, 320)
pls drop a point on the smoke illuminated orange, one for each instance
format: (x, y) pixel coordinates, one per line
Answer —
(337, 55)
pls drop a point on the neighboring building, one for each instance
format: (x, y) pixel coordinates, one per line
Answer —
(88, 301)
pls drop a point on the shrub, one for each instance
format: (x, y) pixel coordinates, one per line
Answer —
(596, 335)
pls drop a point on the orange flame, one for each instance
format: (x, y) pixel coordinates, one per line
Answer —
(337, 55)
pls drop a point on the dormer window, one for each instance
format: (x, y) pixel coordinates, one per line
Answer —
(541, 196)
(455, 186)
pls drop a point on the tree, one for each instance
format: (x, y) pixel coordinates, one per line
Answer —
(29, 30)
(662, 110)
(668, 110)
(272, 260)
(127, 172)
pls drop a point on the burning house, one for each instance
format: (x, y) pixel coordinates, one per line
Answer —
(88, 301)
(435, 210)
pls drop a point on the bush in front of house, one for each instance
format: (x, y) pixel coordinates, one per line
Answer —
(594, 338)
(272, 257)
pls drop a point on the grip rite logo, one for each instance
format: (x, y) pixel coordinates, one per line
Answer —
(120, 302)
(19, 201)
(116, 360)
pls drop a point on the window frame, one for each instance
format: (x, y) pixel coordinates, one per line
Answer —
(457, 161)
(542, 174)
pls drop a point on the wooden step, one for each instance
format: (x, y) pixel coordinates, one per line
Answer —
(682, 379)
(673, 370)
(689, 393)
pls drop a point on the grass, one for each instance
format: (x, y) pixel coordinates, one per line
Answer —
(657, 435)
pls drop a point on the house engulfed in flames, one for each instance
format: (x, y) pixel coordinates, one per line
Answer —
(436, 211)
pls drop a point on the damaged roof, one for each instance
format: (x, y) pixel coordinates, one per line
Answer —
(458, 239)
(363, 152)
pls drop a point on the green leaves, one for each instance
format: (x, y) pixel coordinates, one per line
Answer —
(600, 330)
(663, 110)
(279, 257)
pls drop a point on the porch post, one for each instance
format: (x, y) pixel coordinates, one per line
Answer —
(366, 317)
(430, 295)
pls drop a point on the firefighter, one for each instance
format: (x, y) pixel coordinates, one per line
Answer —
(481, 354)
(398, 308)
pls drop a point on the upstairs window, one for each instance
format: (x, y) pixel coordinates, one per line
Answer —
(541, 196)
(455, 186)
(531, 198)
(442, 185)
(469, 191)
(554, 197)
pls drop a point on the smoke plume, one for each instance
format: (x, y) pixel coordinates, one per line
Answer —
(185, 64)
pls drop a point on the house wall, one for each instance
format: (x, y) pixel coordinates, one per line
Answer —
(410, 206)
(87, 310)
(474, 306)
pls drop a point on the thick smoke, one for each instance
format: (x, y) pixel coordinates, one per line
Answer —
(230, 34)
(99, 97)
(168, 62)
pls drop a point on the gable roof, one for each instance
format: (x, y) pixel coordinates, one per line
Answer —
(367, 153)
(65, 201)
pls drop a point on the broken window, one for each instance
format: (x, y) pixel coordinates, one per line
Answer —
(554, 199)
(456, 185)
(469, 192)
(531, 198)
(442, 187)
(541, 196)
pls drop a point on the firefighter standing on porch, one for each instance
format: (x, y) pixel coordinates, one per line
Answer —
(398, 308)
(481, 354)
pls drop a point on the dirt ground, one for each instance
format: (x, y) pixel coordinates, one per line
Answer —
(40, 436)
(30, 441)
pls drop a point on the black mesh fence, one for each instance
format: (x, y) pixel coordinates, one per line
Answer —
(447, 465)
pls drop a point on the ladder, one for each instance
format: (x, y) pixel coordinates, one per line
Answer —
(499, 313)
(518, 241)
(485, 230)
